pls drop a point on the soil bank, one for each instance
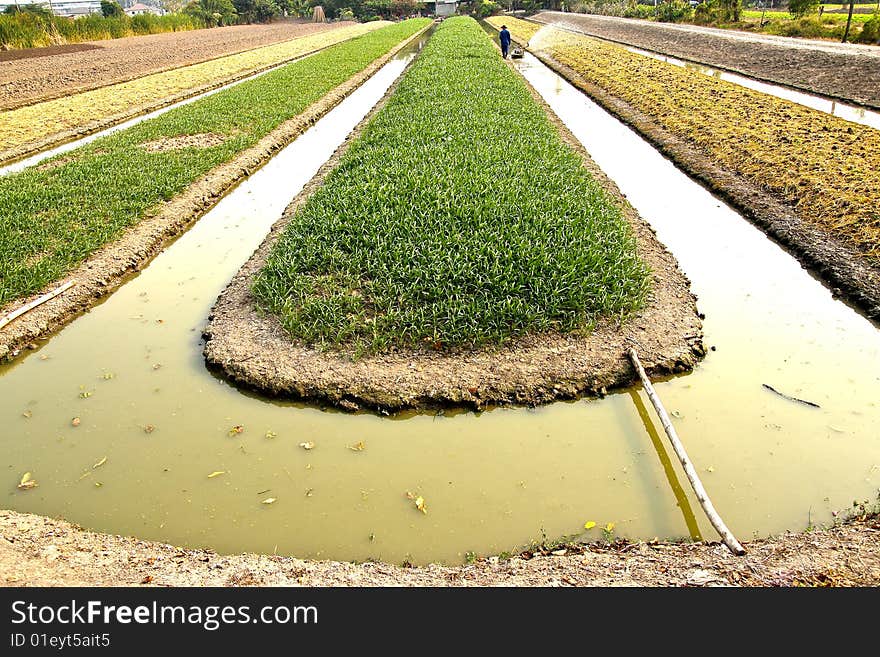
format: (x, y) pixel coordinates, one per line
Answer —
(40, 551)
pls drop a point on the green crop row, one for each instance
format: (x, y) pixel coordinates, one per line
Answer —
(457, 218)
(53, 216)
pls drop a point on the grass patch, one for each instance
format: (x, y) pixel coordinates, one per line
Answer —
(33, 122)
(30, 29)
(51, 219)
(459, 217)
(826, 168)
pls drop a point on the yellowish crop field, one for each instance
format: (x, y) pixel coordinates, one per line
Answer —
(827, 168)
(41, 121)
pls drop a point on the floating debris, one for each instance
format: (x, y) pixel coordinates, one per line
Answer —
(28, 414)
(149, 428)
(268, 500)
(359, 446)
(216, 473)
(237, 429)
(75, 422)
(418, 500)
(271, 434)
(794, 399)
(27, 482)
(307, 445)
(100, 463)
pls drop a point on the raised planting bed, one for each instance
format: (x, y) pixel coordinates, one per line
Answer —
(811, 180)
(461, 250)
(133, 190)
(35, 127)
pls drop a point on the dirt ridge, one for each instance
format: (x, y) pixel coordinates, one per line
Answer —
(40, 551)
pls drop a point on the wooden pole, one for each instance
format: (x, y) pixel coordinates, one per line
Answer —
(848, 21)
(36, 302)
(691, 472)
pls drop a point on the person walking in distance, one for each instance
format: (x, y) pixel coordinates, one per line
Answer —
(504, 35)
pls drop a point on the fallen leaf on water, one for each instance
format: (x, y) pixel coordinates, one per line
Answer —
(359, 446)
(27, 482)
(216, 473)
(420, 504)
(75, 422)
(268, 500)
(100, 463)
(149, 428)
(589, 524)
(271, 434)
(238, 428)
(307, 445)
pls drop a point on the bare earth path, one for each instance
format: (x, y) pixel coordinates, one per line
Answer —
(33, 75)
(846, 71)
(40, 551)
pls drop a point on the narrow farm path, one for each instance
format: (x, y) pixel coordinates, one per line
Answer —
(845, 71)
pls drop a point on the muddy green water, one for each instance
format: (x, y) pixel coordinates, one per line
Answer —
(492, 482)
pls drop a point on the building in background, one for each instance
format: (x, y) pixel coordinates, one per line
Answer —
(68, 8)
(445, 8)
(139, 8)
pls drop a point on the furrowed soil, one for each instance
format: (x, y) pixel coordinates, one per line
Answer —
(108, 268)
(37, 74)
(252, 348)
(844, 71)
(40, 551)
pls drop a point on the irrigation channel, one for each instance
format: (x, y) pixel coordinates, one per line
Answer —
(132, 371)
(851, 113)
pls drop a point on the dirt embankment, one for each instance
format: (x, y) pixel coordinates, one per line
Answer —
(251, 347)
(40, 551)
(39, 74)
(844, 71)
(107, 268)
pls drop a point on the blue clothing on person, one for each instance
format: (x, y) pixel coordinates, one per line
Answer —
(504, 35)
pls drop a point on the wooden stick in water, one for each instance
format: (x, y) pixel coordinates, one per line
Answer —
(729, 539)
(36, 302)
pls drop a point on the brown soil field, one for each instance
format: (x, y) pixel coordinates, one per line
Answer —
(40, 551)
(251, 347)
(844, 71)
(107, 269)
(38, 74)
